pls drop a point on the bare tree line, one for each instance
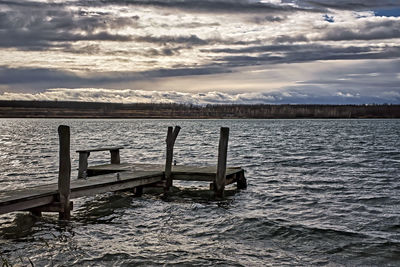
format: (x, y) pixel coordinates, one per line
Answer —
(65, 109)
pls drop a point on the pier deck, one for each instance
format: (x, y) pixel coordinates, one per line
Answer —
(108, 178)
(117, 176)
(28, 198)
(179, 172)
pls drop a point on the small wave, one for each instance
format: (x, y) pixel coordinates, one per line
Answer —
(375, 200)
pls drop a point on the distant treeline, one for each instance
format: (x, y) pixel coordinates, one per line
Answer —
(65, 109)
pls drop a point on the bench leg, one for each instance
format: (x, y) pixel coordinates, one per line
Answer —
(83, 165)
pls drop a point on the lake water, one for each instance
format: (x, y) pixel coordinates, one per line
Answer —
(320, 192)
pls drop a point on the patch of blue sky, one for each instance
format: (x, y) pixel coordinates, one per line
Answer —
(393, 12)
(328, 18)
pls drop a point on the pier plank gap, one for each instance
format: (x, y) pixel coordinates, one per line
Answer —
(117, 176)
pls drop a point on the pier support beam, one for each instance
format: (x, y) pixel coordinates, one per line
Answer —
(171, 137)
(220, 179)
(115, 156)
(64, 173)
(241, 180)
(83, 164)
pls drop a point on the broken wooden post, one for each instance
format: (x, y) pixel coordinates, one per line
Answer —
(171, 137)
(64, 173)
(221, 167)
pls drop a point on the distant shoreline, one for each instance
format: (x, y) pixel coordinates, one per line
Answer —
(97, 110)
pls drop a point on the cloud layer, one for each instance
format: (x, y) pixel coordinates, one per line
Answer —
(137, 43)
(214, 97)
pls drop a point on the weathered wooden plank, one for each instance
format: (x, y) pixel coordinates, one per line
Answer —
(131, 176)
(27, 203)
(64, 173)
(93, 190)
(221, 167)
(193, 177)
(9, 197)
(52, 207)
(45, 195)
(176, 170)
(103, 180)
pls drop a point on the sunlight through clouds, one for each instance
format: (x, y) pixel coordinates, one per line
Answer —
(103, 43)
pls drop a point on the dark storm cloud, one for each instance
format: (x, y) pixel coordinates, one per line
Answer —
(43, 78)
(36, 26)
(264, 55)
(294, 48)
(190, 40)
(168, 39)
(277, 54)
(365, 30)
(350, 4)
(214, 6)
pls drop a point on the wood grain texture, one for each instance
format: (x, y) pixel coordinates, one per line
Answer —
(172, 134)
(64, 173)
(221, 167)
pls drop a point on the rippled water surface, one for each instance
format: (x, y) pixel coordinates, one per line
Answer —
(320, 192)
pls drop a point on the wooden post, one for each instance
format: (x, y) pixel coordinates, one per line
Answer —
(64, 173)
(115, 156)
(36, 213)
(220, 178)
(171, 137)
(83, 164)
(241, 180)
(138, 191)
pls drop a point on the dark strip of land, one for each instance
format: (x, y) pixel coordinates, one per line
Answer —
(65, 109)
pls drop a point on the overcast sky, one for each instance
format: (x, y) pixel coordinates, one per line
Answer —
(201, 51)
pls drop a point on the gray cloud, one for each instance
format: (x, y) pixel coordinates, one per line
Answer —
(350, 4)
(180, 35)
(369, 30)
(302, 53)
(190, 40)
(37, 26)
(168, 39)
(295, 48)
(215, 6)
(263, 19)
(42, 78)
(290, 96)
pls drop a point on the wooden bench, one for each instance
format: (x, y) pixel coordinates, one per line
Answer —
(85, 153)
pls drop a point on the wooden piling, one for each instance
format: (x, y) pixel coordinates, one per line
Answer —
(64, 174)
(220, 179)
(171, 137)
(138, 191)
(241, 180)
(83, 165)
(115, 156)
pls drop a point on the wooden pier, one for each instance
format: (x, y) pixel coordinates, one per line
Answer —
(117, 176)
